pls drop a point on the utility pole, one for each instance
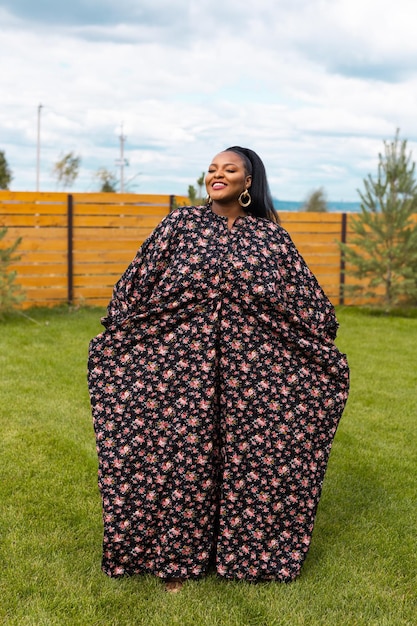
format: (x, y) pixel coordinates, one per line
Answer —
(38, 148)
(122, 161)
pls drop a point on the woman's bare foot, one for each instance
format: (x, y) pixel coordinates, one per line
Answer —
(173, 585)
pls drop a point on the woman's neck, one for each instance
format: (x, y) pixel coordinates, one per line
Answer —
(232, 211)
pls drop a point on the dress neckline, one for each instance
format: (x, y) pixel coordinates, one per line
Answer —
(224, 218)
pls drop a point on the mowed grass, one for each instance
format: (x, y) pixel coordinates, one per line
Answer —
(362, 565)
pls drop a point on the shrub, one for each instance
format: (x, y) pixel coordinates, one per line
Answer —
(11, 294)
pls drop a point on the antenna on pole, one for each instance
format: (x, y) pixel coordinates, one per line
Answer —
(122, 161)
(38, 148)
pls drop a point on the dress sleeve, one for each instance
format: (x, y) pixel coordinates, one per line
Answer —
(133, 290)
(306, 304)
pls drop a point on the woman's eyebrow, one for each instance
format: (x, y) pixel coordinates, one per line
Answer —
(225, 164)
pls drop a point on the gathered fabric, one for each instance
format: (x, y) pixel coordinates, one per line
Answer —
(216, 390)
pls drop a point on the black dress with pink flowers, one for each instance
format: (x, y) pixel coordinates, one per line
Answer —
(216, 391)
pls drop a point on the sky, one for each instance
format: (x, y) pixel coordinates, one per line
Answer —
(315, 87)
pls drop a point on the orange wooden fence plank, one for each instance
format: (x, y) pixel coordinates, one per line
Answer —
(36, 232)
(103, 257)
(32, 209)
(104, 280)
(320, 259)
(111, 232)
(33, 196)
(94, 292)
(297, 217)
(314, 228)
(44, 281)
(328, 238)
(111, 244)
(122, 198)
(36, 269)
(316, 246)
(328, 252)
(41, 245)
(46, 293)
(31, 221)
(40, 302)
(158, 211)
(42, 257)
(103, 245)
(115, 221)
(93, 302)
(100, 269)
(325, 270)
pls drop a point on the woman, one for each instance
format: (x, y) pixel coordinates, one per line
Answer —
(216, 391)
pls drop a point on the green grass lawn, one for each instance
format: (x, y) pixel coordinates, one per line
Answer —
(362, 565)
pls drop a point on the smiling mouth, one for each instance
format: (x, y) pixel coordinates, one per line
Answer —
(218, 185)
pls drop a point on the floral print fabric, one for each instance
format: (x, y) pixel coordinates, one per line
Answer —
(216, 391)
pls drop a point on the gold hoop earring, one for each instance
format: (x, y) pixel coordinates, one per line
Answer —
(244, 199)
(208, 201)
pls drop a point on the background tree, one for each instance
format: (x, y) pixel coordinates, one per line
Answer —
(316, 202)
(108, 181)
(11, 294)
(5, 172)
(200, 185)
(383, 249)
(194, 196)
(66, 169)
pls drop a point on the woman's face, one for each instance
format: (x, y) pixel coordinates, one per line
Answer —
(227, 177)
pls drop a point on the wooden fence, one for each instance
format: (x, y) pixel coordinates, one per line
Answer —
(75, 246)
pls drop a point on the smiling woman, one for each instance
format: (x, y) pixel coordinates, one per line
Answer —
(216, 390)
(228, 175)
(233, 189)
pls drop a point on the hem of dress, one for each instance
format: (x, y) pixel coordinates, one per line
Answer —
(163, 576)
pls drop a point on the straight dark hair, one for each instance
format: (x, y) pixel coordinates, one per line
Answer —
(262, 204)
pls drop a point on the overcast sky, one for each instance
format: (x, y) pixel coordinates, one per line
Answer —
(314, 86)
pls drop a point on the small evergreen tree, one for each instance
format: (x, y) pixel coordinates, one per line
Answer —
(316, 202)
(383, 249)
(10, 293)
(5, 172)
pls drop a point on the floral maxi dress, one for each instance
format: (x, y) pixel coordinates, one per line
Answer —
(216, 390)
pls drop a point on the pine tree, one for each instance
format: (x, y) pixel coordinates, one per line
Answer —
(10, 293)
(6, 175)
(383, 249)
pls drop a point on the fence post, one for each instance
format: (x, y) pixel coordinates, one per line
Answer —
(343, 237)
(70, 250)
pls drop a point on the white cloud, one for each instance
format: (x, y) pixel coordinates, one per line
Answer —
(314, 86)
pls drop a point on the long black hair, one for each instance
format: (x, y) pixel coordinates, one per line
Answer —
(262, 204)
